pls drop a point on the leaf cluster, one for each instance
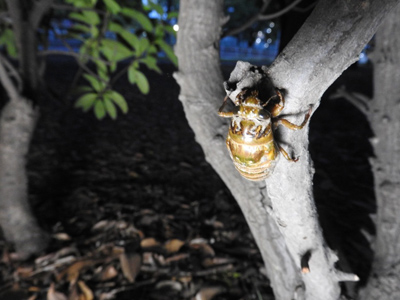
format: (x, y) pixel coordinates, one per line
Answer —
(111, 33)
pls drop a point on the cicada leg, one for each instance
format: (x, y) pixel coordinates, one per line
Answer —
(276, 109)
(225, 114)
(292, 126)
(286, 155)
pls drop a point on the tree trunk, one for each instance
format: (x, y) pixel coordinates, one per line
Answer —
(328, 43)
(201, 94)
(17, 123)
(384, 112)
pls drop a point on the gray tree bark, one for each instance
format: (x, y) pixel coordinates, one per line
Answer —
(328, 43)
(17, 123)
(383, 114)
(201, 94)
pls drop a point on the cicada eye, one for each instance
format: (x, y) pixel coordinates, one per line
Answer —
(264, 114)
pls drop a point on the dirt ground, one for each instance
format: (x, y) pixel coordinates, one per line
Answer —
(137, 213)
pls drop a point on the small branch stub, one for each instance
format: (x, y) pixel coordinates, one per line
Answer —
(305, 268)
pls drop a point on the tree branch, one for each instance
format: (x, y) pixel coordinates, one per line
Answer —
(260, 17)
(15, 14)
(73, 8)
(358, 100)
(201, 94)
(13, 71)
(250, 22)
(39, 9)
(7, 82)
(281, 12)
(327, 44)
(305, 9)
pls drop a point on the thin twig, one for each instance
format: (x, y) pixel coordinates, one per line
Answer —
(13, 71)
(7, 82)
(281, 12)
(73, 8)
(305, 9)
(5, 17)
(119, 74)
(260, 17)
(250, 21)
(358, 100)
(39, 9)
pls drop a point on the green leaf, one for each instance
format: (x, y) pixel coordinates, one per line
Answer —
(82, 3)
(110, 108)
(168, 51)
(112, 6)
(8, 39)
(82, 89)
(141, 18)
(159, 31)
(129, 37)
(112, 26)
(135, 76)
(80, 28)
(99, 110)
(152, 50)
(172, 15)
(151, 63)
(170, 30)
(86, 101)
(79, 17)
(143, 45)
(142, 82)
(158, 8)
(119, 100)
(114, 50)
(97, 85)
(102, 70)
(113, 66)
(94, 31)
(92, 17)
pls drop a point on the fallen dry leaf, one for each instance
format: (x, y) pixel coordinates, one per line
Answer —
(73, 292)
(107, 273)
(74, 270)
(215, 261)
(52, 294)
(173, 245)
(149, 242)
(176, 257)
(103, 225)
(24, 272)
(130, 265)
(169, 284)
(203, 247)
(62, 236)
(207, 293)
(86, 291)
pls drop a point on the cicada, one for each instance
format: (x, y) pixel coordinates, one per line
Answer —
(250, 139)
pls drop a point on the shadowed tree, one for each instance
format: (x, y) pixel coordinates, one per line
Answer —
(382, 112)
(280, 211)
(20, 35)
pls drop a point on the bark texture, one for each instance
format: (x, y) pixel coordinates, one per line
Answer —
(384, 112)
(327, 44)
(17, 123)
(201, 94)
